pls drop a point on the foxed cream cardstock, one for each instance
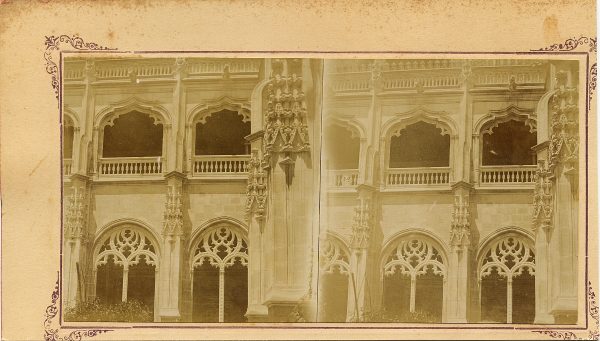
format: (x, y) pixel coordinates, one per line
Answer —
(36, 35)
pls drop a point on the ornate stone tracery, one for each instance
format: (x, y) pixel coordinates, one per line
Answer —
(509, 256)
(333, 256)
(127, 245)
(221, 246)
(413, 257)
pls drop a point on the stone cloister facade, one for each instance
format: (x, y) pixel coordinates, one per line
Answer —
(305, 190)
(180, 180)
(431, 168)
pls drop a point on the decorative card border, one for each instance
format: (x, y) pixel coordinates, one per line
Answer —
(54, 45)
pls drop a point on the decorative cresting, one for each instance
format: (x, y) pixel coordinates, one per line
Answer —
(285, 117)
(256, 190)
(127, 244)
(173, 216)
(333, 256)
(510, 256)
(542, 197)
(460, 229)
(221, 246)
(75, 214)
(414, 256)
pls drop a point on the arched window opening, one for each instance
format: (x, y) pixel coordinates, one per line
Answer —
(333, 281)
(134, 134)
(109, 282)
(419, 144)
(413, 285)
(509, 143)
(341, 147)
(507, 281)
(222, 133)
(220, 276)
(126, 267)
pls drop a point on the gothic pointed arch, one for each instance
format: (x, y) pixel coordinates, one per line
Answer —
(414, 271)
(506, 277)
(219, 272)
(219, 127)
(126, 262)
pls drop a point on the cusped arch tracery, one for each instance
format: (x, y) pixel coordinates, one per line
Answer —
(509, 254)
(439, 119)
(414, 255)
(202, 111)
(127, 244)
(152, 109)
(494, 118)
(221, 245)
(334, 255)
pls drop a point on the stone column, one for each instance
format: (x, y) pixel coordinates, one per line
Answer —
(172, 250)
(459, 269)
(75, 240)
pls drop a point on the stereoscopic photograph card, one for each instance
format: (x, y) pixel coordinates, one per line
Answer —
(286, 170)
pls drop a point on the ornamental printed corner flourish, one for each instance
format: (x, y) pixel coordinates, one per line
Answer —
(52, 334)
(53, 44)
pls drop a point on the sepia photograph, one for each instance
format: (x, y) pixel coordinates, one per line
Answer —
(190, 188)
(451, 191)
(209, 170)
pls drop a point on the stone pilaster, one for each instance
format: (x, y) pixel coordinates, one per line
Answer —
(362, 229)
(286, 242)
(171, 260)
(460, 255)
(76, 240)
